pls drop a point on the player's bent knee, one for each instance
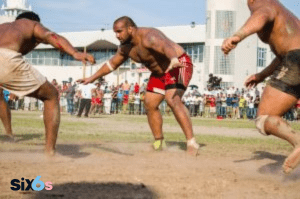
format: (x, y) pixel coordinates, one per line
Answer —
(260, 124)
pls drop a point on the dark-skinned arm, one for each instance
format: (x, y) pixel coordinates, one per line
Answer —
(111, 65)
(45, 36)
(254, 24)
(269, 69)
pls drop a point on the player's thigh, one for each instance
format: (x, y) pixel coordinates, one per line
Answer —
(174, 96)
(45, 92)
(275, 102)
(153, 100)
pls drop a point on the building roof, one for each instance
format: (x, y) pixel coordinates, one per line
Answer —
(104, 39)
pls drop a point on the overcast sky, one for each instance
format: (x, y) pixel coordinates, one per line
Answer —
(82, 15)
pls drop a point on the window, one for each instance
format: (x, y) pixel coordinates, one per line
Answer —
(226, 84)
(225, 24)
(207, 59)
(48, 57)
(261, 57)
(195, 51)
(224, 65)
(208, 24)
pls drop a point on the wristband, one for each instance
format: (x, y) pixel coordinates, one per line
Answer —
(109, 66)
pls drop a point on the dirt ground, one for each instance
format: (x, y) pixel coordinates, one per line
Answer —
(132, 170)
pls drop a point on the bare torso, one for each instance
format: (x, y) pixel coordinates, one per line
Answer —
(283, 34)
(18, 36)
(156, 62)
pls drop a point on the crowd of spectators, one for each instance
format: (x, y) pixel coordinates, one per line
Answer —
(128, 98)
(229, 103)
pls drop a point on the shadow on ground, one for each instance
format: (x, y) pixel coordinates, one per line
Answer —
(20, 138)
(180, 145)
(274, 167)
(75, 150)
(111, 190)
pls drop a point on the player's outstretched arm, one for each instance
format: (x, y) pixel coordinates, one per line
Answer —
(44, 35)
(255, 79)
(254, 24)
(106, 68)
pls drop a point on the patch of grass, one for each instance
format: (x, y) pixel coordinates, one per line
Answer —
(29, 130)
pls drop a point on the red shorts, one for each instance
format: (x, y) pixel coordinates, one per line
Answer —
(96, 101)
(176, 78)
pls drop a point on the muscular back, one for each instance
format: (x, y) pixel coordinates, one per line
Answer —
(283, 33)
(18, 36)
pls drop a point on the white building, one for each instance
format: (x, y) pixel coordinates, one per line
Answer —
(12, 8)
(202, 43)
(224, 18)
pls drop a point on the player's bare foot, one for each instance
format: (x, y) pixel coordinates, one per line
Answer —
(9, 138)
(292, 161)
(192, 147)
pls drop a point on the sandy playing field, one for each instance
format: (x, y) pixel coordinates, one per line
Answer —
(115, 169)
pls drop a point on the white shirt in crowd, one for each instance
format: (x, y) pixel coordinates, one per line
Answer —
(107, 99)
(250, 104)
(86, 90)
(223, 101)
(137, 99)
(192, 100)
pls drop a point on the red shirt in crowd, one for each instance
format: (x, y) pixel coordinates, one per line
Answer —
(125, 99)
(136, 88)
(212, 102)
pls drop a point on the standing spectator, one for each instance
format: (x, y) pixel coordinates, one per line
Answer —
(131, 88)
(136, 88)
(70, 93)
(136, 103)
(125, 103)
(223, 105)
(242, 105)
(212, 107)
(86, 98)
(131, 102)
(95, 101)
(229, 106)
(197, 104)
(186, 101)
(142, 88)
(237, 92)
(251, 108)
(120, 100)
(100, 94)
(201, 106)
(142, 98)
(107, 98)
(207, 105)
(114, 102)
(126, 87)
(235, 107)
(218, 104)
(247, 98)
(192, 100)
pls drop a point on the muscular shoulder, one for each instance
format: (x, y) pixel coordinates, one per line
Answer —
(270, 9)
(25, 24)
(150, 36)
